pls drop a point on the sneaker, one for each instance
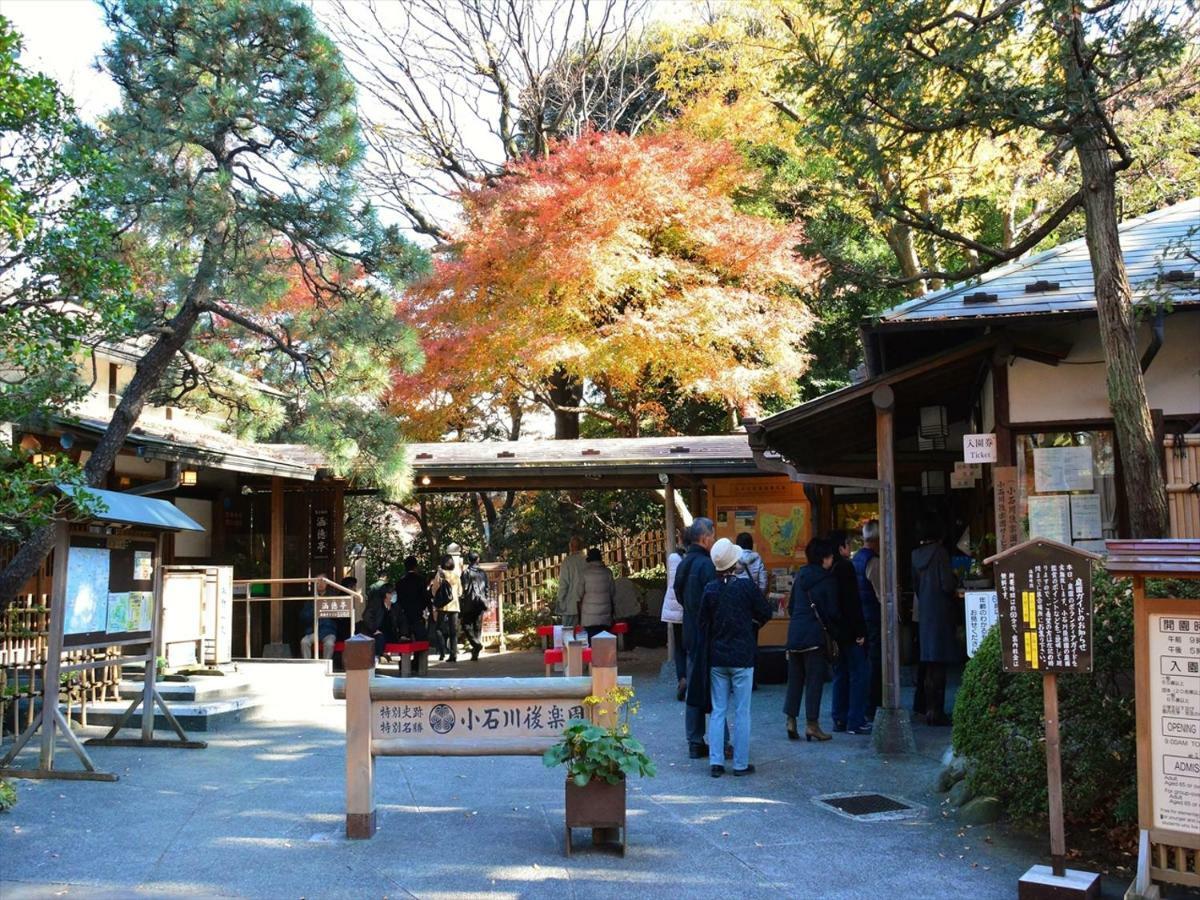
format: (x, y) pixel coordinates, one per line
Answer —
(864, 728)
(749, 770)
(718, 771)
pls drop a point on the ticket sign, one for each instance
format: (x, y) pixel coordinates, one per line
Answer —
(333, 607)
(979, 448)
(1044, 593)
(1175, 721)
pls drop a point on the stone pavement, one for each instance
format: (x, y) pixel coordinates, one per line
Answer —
(260, 814)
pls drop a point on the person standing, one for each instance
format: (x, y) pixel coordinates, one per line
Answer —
(692, 576)
(599, 591)
(851, 668)
(570, 583)
(751, 564)
(812, 607)
(866, 569)
(414, 604)
(447, 590)
(935, 586)
(672, 614)
(731, 610)
(473, 603)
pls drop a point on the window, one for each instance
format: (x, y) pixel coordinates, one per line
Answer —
(1066, 483)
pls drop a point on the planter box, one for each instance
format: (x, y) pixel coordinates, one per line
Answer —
(599, 806)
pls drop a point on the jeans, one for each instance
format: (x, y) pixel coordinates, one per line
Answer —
(680, 652)
(850, 685)
(806, 676)
(739, 682)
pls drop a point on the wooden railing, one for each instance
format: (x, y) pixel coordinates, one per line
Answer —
(522, 584)
(1183, 484)
(333, 589)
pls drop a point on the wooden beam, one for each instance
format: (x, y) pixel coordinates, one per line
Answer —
(339, 531)
(884, 400)
(277, 526)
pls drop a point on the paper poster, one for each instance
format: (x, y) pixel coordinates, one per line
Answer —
(87, 590)
(118, 613)
(1085, 516)
(141, 610)
(979, 448)
(982, 612)
(1174, 687)
(1050, 517)
(1004, 490)
(961, 478)
(143, 565)
(744, 519)
(1062, 469)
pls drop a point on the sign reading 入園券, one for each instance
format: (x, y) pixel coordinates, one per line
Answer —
(979, 448)
(1044, 595)
(440, 723)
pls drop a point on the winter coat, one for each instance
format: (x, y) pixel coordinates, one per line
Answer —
(599, 588)
(753, 567)
(692, 576)
(570, 584)
(731, 612)
(813, 586)
(867, 598)
(849, 625)
(377, 616)
(474, 592)
(451, 579)
(936, 587)
(672, 610)
(415, 605)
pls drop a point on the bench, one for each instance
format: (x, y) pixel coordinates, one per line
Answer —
(554, 655)
(546, 633)
(413, 655)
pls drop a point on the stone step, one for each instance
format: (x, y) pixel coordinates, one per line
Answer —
(210, 715)
(199, 688)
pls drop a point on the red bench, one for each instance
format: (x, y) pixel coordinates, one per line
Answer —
(551, 655)
(555, 655)
(413, 654)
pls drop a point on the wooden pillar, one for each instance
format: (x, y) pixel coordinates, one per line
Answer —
(339, 532)
(1004, 439)
(54, 645)
(604, 677)
(669, 528)
(893, 730)
(1058, 841)
(697, 509)
(359, 659)
(277, 526)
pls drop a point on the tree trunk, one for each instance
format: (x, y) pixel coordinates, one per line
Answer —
(565, 391)
(1141, 459)
(150, 370)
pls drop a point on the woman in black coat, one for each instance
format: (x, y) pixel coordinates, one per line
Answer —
(813, 608)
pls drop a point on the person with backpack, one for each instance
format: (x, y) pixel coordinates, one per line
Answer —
(446, 589)
(473, 603)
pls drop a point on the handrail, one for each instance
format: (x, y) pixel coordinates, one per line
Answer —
(318, 580)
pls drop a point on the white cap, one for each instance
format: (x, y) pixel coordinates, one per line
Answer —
(725, 554)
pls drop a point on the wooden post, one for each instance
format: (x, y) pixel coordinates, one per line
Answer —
(573, 657)
(276, 627)
(54, 646)
(893, 730)
(669, 525)
(339, 534)
(359, 659)
(1058, 840)
(604, 676)
(151, 674)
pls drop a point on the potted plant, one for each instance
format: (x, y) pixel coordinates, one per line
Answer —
(599, 758)
(978, 577)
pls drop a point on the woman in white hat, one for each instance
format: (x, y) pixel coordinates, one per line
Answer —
(730, 612)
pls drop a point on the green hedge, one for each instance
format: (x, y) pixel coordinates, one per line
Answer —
(998, 723)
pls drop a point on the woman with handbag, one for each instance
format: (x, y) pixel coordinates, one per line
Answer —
(446, 589)
(810, 647)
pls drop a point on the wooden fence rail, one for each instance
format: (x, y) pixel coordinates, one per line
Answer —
(522, 585)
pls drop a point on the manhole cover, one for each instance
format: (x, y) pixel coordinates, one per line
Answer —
(869, 807)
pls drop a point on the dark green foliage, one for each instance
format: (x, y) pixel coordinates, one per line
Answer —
(998, 724)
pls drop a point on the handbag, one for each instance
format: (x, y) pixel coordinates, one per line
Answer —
(831, 646)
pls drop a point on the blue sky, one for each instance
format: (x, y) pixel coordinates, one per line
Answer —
(63, 39)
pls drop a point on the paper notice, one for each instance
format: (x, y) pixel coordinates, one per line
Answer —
(1085, 516)
(143, 565)
(1062, 469)
(1050, 517)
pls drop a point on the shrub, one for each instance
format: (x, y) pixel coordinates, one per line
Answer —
(8, 796)
(998, 723)
(524, 619)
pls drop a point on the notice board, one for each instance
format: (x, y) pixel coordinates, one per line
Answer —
(109, 591)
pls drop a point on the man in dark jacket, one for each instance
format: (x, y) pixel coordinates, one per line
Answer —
(935, 586)
(731, 609)
(866, 569)
(692, 576)
(850, 670)
(414, 601)
(473, 603)
(378, 620)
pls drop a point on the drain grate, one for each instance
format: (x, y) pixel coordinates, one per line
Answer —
(869, 807)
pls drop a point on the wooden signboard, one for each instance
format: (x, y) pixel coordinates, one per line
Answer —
(109, 595)
(435, 726)
(1004, 493)
(1166, 660)
(1044, 593)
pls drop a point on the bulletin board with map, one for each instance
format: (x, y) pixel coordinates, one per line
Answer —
(109, 591)
(773, 510)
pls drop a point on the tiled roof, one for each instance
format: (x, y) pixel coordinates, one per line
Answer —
(1153, 244)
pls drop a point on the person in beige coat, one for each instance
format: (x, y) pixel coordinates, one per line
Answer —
(599, 593)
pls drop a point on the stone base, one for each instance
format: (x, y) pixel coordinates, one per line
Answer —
(892, 732)
(1153, 892)
(360, 826)
(1040, 883)
(277, 651)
